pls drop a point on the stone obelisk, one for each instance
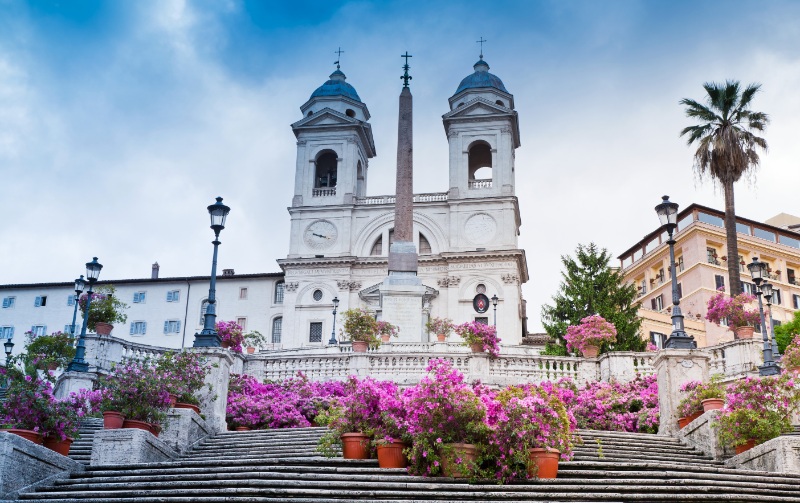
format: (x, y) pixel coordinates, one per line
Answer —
(402, 290)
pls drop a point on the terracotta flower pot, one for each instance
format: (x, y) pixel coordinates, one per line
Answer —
(173, 399)
(744, 332)
(31, 435)
(441, 337)
(58, 445)
(391, 455)
(112, 420)
(250, 350)
(52, 366)
(476, 348)
(355, 446)
(683, 422)
(544, 463)
(136, 424)
(360, 347)
(745, 447)
(181, 405)
(591, 351)
(242, 428)
(155, 429)
(712, 404)
(225, 344)
(101, 328)
(456, 457)
(385, 338)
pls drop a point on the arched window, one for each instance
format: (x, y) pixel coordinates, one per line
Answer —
(498, 102)
(377, 248)
(480, 161)
(424, 245)
(360, 180)
(325, 175)
(203, 309)
(277, 328)
(279, 289)
(350, 112)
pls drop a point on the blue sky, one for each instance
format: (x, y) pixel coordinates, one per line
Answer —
(120, 121)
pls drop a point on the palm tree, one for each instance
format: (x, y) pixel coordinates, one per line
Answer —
(726, 149)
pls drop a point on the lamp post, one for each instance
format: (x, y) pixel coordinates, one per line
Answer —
(80, 284)
(494, 303)
(678, 339)
(208, 337)
(9, 347)
(78, 363)
(767, 291)
(757, 270)
(333, 330)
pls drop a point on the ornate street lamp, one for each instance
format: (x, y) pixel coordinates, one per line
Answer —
(757, 271)
(78, 363)
(494, 303)
(333, 330)
(80, 284)
(767, 291)
(9, 347)
(208, 337)
(678, 339)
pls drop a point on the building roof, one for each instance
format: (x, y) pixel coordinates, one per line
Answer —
(220, 277)
(481, 78)
(336, 86)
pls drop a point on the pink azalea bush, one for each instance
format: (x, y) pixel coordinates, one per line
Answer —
(183, 373)
(231, 333)
(386, 328)
(137, 390)
(614, 406)
(695, 392)
(479, 333)
(721, 307)
(791, 355)
(591, 331)
(439, 326)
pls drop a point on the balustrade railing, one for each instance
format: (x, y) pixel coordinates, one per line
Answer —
(323, 192)
(390, 199)
(480, 184)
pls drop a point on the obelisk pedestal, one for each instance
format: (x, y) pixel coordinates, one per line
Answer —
(402, 291)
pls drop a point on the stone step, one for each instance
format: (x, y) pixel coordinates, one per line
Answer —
(256, 445)
(684, 451)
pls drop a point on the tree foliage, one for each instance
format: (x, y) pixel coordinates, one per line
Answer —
(589, 286)
(786, 332)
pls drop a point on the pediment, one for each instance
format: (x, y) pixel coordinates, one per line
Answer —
(372, 294)
(326, 117)
(478, 106)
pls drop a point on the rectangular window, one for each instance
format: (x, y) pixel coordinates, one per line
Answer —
(679, 287)
(174, 296)
(172, 327)
(40, 301)
(785, 240)
(742, 264)
(661, 277)
(277, 328)
(748, 288)
(680, 263)
(279, 289)
(39, 329)
(643, 288)
(242, 322)
(68, 328)
(710, 219)
(723, 322)
(7, 332)
(138, 327)
(139, 297)
(9, 302)
(796, 301)
(720, 281)
(790, 278)
(483, 320)
(711, 256)
(684, 222)
(71, 300)
(657, 304)
(243, 293)
(742, 228)
(776, 297)
(658, 339)
(761, 233)
(315, 331)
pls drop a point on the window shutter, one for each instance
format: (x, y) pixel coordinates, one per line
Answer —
(12, 332)
(653, 304)
(720, 281)
(680, 291)
(133, 324)
(5, 302)
(166, 327)
(144, 327)
(169, 296)
(178, 326)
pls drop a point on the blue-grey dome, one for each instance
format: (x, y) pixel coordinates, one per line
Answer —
(481, 78)
(336, 86)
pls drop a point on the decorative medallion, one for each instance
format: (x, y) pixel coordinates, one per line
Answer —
(480, 228)
(480, 303)
(320, 235)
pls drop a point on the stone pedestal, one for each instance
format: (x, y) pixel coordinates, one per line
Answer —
(128, 446)
(358, 365)
(25, 465)
(214, 396)
(183, 429)
(673, 368)
(479, 367)
(779, 455)
(70, 382)
(702, 435)
(401, 303)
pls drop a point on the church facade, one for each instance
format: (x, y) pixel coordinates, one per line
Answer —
(466, 237)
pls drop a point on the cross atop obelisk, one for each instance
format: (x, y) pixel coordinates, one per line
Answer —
(402, 252)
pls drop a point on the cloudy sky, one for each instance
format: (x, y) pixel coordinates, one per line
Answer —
(120, 121)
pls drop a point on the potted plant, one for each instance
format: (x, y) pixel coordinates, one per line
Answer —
(141, 394)
(479, 337)
(757, 409)
(733, 309)
(386, 331)
(231, 334)
(392, 438)
(104, 310)
(711, 394)
(791, 355)
(690, 406)
(360, 327)
(589, 335)
(254, 340)
(442, 327)
(446, 421)
(49, 352)
(63, 422)
(28, 404)
(184, 374)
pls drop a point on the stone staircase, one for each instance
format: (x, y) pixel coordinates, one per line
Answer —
(282, 465)
(81, 448)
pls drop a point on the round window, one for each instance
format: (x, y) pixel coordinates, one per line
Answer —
(481, 288)
(317, 295)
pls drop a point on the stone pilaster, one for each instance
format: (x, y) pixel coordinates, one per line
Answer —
(214, 396)
(70, 382)
(673, 368)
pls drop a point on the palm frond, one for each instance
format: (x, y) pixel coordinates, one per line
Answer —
(747, 95)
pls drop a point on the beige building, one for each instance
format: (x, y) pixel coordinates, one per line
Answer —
(702, 268)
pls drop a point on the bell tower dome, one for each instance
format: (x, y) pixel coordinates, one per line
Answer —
(482, 130)
(334, 145)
